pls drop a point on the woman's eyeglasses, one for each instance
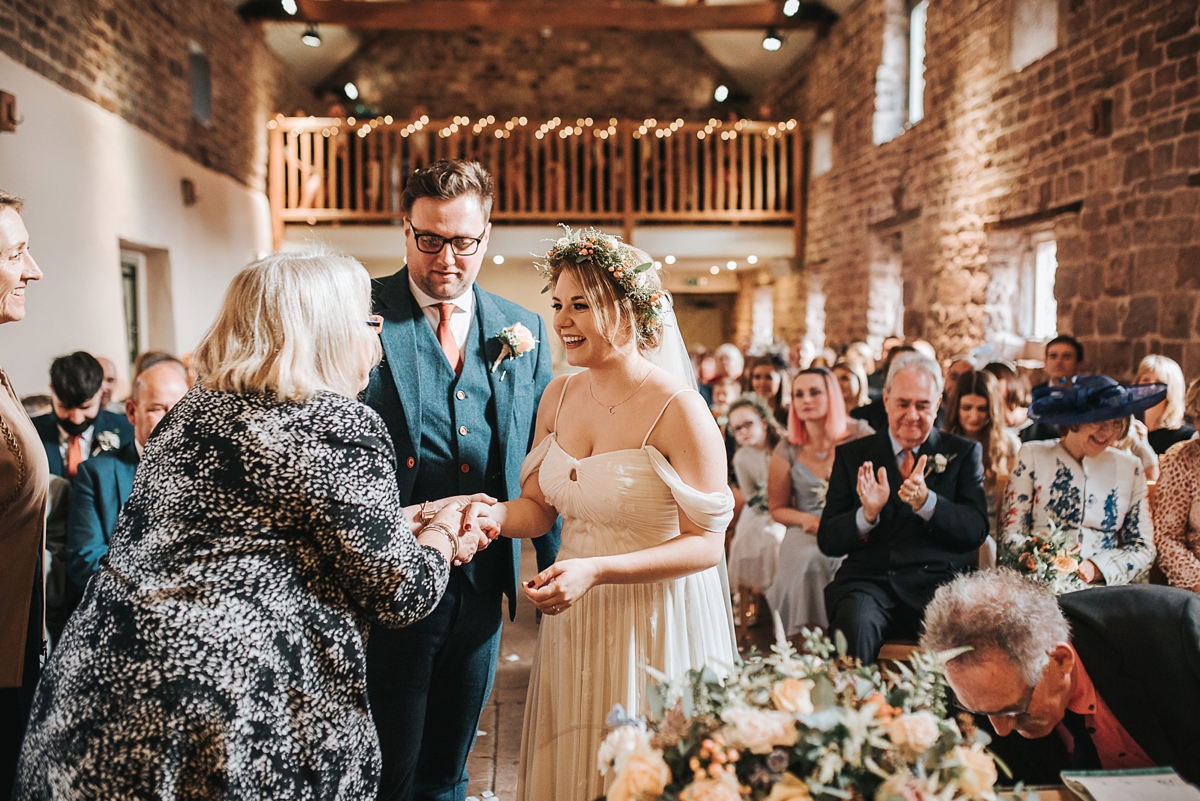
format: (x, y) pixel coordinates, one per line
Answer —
(376, 323)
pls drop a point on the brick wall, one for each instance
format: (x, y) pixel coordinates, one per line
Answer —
(568, 74)
(131, 58)
(1002, 154)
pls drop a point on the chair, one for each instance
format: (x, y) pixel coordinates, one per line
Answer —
(898, 651)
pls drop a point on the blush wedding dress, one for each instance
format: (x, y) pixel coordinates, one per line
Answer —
(595, 653)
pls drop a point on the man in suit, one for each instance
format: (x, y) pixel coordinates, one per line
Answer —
(1106, 678)
(103, 483)
(906, 526)
(78, 427)
(461, 419)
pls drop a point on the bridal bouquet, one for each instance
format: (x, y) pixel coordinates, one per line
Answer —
(794, 726)
(1050, 557)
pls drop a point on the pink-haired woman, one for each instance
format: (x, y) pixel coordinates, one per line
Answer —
(796, 486)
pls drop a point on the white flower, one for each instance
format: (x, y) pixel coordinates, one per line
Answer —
(619, 745)
(759, 730)
(914, 734)
(108, 440)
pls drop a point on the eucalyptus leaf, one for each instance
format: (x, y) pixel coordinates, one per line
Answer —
(839, 640)
(823, 694)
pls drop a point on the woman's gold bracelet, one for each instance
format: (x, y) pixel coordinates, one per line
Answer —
(442, 527)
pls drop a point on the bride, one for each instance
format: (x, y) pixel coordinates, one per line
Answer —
(633, 461)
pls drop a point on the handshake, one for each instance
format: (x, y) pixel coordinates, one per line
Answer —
(460, 522)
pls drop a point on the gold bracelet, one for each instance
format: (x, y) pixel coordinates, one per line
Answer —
(450, 535)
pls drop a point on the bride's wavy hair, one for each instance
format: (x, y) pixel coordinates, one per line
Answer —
(615, 313)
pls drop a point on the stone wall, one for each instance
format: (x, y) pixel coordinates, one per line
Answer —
(569, 74)
(131, 57)
(936, 217)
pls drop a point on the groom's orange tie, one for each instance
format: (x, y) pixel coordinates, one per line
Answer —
(446, 337)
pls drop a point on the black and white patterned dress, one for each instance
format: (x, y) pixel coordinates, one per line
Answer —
(219, 652)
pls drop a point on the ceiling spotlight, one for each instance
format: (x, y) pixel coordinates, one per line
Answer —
(669, 259)
(351, 90)
(310, 36)
(289, 7)
(731, 265)
(791, 8)
(721, 94)
(772, 41)
(497, 260)
(752, 259)
(715, 270)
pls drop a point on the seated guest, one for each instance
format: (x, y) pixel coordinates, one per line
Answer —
(78, 427)
(853, 382)
(1165, 420)
(957, 366)
(36, 405)
(874, 413)
(976, 412)
(148, 358)
(1107, 679)
(769, 380)
(801, 354)
(1064, 355)
(1112, 524)
(906, 508)
(104, 483)
(796, 488)
(1015, 389)
(730, 362)
(1177, 508)
(219, 650)
(109, 386)
(861, 356)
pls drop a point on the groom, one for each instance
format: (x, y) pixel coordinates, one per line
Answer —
(459, 427)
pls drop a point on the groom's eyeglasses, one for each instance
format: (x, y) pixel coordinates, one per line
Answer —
(432, 243)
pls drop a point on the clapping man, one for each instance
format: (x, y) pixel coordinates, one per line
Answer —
(906, 508)
(460, 407)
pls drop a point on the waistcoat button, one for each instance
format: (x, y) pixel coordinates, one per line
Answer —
(412, 462)
(462, 430)
(466, 468)
(460, 395)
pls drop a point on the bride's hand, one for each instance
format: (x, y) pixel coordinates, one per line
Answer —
(413, 513)
(486, 517)
(559, 586)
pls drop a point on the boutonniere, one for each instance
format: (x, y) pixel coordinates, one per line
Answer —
(108, 440)
(938, 463)
(517, 340)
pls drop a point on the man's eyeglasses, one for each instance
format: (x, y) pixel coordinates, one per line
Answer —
(1008, 713)
(461, 245)
(376, 322)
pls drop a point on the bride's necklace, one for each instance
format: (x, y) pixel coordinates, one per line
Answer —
(612, 409)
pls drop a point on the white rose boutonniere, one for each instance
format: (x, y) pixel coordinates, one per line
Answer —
(938, 463)
(517, 340)
(108, 440)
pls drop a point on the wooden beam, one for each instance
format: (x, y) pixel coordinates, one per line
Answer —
(526, 15)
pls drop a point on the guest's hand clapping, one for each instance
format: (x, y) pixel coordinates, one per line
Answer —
(873, 491)
(913, 491)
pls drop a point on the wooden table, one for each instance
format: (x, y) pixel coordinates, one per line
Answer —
(1052, 792)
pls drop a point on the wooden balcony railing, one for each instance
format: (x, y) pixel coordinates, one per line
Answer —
(327, 170)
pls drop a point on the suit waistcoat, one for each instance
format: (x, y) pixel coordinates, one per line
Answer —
(460, 452)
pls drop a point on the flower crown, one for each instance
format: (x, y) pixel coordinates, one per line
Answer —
(617, 259)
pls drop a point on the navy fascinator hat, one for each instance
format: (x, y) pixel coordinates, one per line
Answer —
(1092, 399)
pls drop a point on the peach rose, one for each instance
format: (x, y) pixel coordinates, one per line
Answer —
(643, 777)
(759, 730)
(789, 788)
(524, 338)
(905, 786)
(979, 771)
(1065, 564)
(914, 734)
(620, 743)
(793, 695)
(722, 788)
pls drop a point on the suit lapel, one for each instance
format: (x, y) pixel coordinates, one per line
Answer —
(127, 466)
(399, 340)
(491, 322)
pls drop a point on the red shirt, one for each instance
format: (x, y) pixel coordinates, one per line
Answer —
(1116, 749)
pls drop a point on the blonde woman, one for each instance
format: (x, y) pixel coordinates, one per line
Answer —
(1165, 421)
(219, 650)
(628, 453)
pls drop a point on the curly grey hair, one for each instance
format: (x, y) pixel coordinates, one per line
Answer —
(996, 610)
(914, 361)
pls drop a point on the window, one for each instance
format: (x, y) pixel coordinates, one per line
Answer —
(822, 150)
(762, 320)
(1043, 306)
(131, 296)
(900, 79)
(201, 84)
(1034, 30)
(916, 62)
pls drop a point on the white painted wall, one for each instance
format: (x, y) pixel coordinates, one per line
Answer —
(89, 180)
